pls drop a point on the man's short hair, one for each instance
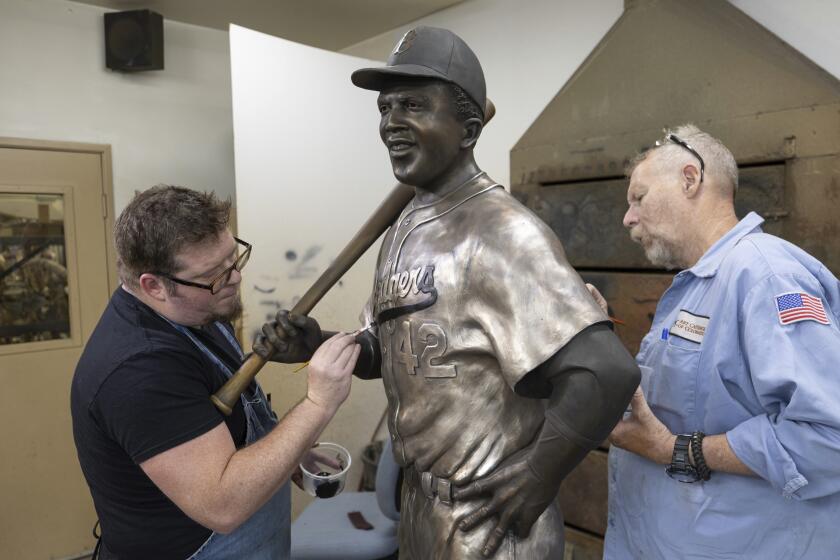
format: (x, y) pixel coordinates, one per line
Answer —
(160, 222)
(718, 159)
(465, 106)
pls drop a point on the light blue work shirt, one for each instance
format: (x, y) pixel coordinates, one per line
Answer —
(719, 360)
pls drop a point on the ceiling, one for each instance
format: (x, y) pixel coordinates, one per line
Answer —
(328, 24)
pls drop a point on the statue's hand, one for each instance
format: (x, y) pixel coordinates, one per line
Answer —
(289, 339)
(517, 497)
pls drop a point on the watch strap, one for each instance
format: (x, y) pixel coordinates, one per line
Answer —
(681, 468)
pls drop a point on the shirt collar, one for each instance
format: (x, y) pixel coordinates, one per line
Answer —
(710, 261)
(472, 187)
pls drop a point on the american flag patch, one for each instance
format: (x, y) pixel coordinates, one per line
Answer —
(799, 306)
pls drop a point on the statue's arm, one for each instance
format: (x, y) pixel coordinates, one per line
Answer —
(369, 364)
(591, 381)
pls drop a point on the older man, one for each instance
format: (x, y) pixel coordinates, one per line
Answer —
(172, 478)
(732, 448)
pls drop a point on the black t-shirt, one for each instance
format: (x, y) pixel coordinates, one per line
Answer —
(141, 388)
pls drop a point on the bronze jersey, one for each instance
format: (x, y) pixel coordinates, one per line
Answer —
(471, 293)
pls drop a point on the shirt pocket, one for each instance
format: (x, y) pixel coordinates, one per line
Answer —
(672, 386)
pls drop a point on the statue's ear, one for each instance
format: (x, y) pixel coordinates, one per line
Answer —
(472, 130)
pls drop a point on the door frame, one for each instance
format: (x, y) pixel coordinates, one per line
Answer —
(104, 152)
(102, 170)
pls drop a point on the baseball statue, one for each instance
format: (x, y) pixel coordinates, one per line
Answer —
(501, 370)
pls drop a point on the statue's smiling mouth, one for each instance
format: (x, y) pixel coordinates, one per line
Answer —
(399, 146)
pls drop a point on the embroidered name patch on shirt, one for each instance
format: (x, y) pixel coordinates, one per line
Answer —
(799, 306)
(689, 326)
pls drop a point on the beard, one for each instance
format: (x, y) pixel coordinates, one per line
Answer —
(659, 252)
(234, 313)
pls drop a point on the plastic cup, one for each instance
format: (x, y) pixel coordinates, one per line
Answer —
(325, 469)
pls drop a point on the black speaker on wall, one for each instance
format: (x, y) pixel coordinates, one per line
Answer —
(134, 41)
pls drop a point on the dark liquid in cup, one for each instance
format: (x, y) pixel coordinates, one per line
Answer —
(326, 489)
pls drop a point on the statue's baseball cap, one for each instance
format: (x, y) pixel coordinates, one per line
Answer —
(429, 52)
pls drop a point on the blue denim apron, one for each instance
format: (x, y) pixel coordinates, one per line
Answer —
(266, 535)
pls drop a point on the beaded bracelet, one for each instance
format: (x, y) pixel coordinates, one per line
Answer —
(703, 470)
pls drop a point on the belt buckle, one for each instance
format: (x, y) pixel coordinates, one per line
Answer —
(427, 484)
(444, 491)
(432, 486)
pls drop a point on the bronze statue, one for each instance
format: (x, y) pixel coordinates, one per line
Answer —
(476, 318)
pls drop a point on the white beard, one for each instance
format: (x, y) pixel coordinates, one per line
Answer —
(660, 253)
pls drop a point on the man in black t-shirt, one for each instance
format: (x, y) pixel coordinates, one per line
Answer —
(170, 476)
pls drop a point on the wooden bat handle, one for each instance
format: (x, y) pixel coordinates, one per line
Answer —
(385, 215)
(226, 397)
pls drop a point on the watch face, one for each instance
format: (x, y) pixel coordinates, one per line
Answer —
(685, 474)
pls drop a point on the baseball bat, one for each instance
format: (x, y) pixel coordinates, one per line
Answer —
(385, 215)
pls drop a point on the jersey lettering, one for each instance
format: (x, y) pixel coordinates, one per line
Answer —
(432, 340)
(408, 282)
(404, 348)
(435, 340)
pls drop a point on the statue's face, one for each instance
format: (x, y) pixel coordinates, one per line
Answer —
(419, 125)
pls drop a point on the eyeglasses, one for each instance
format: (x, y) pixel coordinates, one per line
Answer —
(680, 142)
(221, 280)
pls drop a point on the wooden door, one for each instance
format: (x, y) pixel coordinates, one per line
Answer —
(56, 275)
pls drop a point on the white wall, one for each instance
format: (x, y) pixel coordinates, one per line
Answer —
(171, 126)
(809, 26)
(529, 48)
(310, 168)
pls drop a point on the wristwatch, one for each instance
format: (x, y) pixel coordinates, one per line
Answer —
(680, 468)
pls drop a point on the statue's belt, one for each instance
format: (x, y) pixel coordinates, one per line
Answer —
(432, 486)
